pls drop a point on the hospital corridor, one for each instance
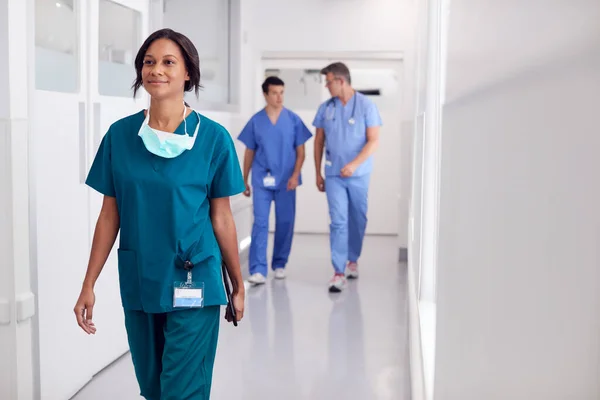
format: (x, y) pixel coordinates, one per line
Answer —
(299, 200)
(300, 342)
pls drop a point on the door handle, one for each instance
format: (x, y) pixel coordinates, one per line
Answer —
(97, 133)
(82, 143)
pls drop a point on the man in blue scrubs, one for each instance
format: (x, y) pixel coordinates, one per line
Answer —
(348, 129)
(274, 139)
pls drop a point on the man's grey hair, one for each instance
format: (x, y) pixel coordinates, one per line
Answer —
(339, 70)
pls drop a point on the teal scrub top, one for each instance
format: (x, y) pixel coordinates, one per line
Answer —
(164, 209)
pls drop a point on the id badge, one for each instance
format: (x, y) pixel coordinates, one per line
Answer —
(188, 294)
(269, 181)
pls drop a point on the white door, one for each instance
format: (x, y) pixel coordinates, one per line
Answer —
(60, 165)
(67, 108)
(117, 30)
(304, 91)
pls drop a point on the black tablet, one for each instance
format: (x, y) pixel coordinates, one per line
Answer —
(230, 310)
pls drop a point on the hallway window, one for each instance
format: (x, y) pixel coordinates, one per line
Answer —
(208, 25)
(118, 44)
(56, 46)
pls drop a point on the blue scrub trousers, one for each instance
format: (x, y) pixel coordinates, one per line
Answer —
(285, 216)
(347, 199)
(173, 353)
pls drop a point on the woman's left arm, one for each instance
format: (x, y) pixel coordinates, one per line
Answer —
(224, 228)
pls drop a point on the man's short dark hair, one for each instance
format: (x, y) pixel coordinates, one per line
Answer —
(339, 70)
(271, 80)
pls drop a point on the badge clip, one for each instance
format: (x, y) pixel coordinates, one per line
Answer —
(269, 180)
(188, 294)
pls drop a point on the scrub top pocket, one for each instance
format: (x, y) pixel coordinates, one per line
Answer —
(129, 279)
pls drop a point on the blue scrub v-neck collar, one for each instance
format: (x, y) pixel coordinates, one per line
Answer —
(354, 98)
(273, 125)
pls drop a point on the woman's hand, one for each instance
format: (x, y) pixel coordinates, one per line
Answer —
(239, 299)
(105, 234)
(84, 310)
(224, 227)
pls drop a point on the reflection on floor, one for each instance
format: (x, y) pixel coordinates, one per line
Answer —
(299, 342)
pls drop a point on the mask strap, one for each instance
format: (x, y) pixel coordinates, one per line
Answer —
(183, 116)
(197, 126)
(184, 119)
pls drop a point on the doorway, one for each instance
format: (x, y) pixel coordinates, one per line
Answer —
(378, 78)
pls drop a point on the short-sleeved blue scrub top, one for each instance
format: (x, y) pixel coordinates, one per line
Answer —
(164, 209)
(344, 141)
(275, 146)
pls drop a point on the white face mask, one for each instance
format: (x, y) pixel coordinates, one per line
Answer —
(167, 144)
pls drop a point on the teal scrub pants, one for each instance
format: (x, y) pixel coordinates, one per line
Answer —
(174, 353)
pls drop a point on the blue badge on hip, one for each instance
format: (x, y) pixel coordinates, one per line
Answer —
(188, 294)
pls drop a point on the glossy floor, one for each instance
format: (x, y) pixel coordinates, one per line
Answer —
(299, 342)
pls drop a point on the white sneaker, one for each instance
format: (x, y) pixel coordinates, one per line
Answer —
(279, 273)
(337, 283)
(257, 279)
(352, 270)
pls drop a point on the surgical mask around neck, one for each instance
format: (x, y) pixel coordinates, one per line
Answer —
(167, 144)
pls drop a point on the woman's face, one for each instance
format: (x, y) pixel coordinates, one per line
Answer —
(164, 73)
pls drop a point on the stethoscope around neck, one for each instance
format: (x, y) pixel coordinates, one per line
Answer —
(331, 102)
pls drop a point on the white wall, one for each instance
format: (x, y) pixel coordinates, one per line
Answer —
(518, 283)
(326, 26)
(333, 25)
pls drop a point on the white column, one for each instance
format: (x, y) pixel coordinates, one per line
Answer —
(431, 155)
(17, 302)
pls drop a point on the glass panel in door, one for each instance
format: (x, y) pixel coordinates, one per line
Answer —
(57, 59)
(118, 43)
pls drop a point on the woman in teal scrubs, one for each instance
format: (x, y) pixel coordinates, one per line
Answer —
(166, 174)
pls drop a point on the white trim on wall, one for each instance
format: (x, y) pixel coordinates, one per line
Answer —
(333, 55)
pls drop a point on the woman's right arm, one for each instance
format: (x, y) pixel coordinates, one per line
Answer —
(105, 235)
